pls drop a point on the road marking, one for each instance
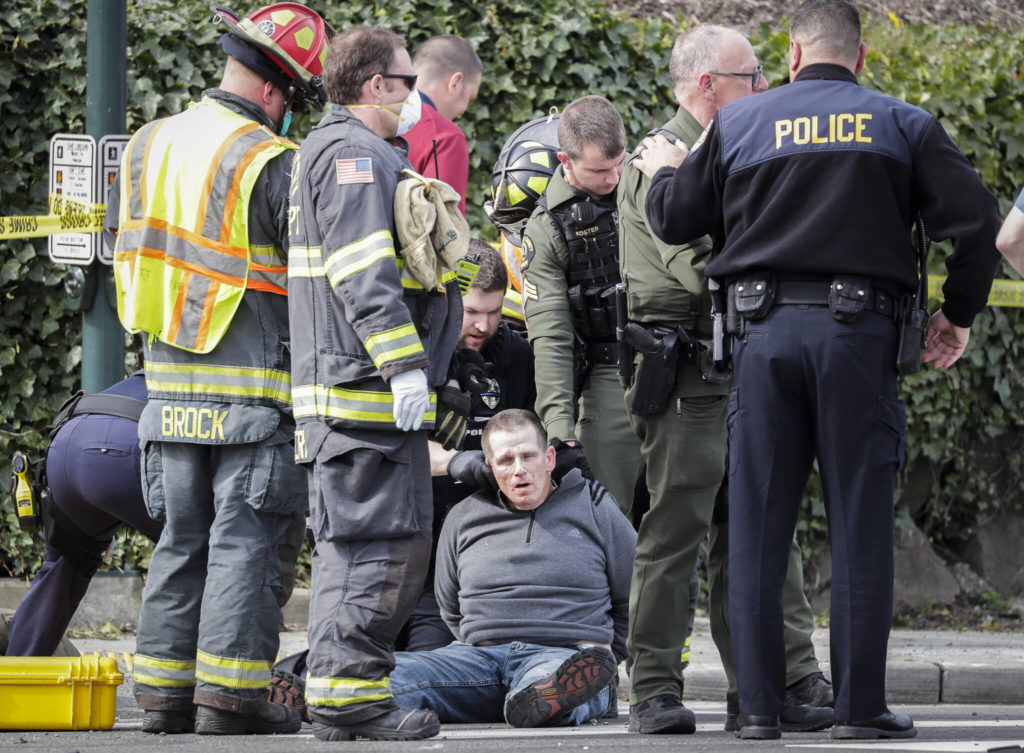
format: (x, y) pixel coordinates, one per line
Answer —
(965, 746)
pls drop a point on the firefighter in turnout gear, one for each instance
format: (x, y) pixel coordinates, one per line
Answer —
(200, 267)
(570, 268)
(371, 345)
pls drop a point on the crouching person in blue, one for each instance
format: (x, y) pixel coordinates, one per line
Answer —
(534, 582)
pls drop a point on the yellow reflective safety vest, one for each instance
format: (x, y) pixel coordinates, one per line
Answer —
(182, 261)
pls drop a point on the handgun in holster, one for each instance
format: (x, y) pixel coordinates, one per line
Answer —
(721, 343)
(656, 377)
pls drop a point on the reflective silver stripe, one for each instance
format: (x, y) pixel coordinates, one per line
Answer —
(357, 256)
(232, 163)
(242, 381)
(279, 279)
(393, 345)
(193, 310)
(359, 406)
(163, 673)
(342, 691)
(232, 673)
(136, 163)
(199, 259)
(305, 261)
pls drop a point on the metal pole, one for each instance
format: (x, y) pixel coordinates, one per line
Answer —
(102, 334)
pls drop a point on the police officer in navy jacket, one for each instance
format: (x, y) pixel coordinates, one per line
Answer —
(811, 191)
(93, 468)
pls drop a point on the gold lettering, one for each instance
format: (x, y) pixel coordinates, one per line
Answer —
(815, 138)
(862, 119)
(801, 130)
(167, 421)
(179, 422)
(300, 445)
(200, 431)
(783, 128)
(841, 133)
(191, 419)
(832, 128)
(217, 427)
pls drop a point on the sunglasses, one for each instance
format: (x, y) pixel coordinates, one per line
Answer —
(409, 79)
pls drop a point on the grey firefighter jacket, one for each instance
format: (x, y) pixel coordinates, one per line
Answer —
(357, 317)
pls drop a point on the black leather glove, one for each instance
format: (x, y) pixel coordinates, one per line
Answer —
(470, 469)
(472, 371)
(452, 413)
(568, 457)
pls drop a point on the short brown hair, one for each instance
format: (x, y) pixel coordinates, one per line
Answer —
(492, 275)
(512, 419)
(591, 120)
(356, 56)
(440, 57)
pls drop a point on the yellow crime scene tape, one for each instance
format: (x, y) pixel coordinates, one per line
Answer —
(66, 216)
(1004, 292)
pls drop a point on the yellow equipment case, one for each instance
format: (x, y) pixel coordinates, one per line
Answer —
(58, 692)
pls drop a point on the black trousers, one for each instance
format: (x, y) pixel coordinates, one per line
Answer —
(808, 387)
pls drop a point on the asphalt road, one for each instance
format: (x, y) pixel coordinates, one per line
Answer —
(952, 728)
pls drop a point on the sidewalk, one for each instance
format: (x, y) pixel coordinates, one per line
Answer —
(925, 666)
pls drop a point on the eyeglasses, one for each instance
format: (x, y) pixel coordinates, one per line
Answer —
(409, 79)
(754, 77)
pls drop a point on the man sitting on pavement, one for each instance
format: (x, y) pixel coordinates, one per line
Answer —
(534, 581)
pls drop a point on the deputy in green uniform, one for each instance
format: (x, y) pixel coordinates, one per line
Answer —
(683, 439)
(570, 269)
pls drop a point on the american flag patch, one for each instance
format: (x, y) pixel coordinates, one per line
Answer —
(359, 170)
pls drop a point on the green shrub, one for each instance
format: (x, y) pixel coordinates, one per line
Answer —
(536, 55)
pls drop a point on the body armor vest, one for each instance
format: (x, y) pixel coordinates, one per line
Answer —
(591, 234)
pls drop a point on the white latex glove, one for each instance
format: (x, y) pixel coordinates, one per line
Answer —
(411, 398)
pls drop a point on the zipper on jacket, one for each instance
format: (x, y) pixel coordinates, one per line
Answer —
(529, 528)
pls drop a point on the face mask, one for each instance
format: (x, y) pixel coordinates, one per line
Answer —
(412, 108)
(285, 122)
(409, 115)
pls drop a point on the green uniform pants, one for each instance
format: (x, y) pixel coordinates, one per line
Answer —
(611, 446)
(684, 448)
(798, 618)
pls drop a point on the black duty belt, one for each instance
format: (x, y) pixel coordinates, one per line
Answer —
(101, 404)
(816, 293)
(109, 405)
(602, 354)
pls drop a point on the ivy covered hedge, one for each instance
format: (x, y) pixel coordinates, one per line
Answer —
(536, 54)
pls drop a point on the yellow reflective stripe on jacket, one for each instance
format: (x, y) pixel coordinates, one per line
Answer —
(393, 344)
(163, 673)
(342, 691)
(232, 673)
(360, 406)
(209, 379)
(182, 261)
(358, 255)
(305, 261)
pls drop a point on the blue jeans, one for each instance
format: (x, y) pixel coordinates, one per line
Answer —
(464, 683)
